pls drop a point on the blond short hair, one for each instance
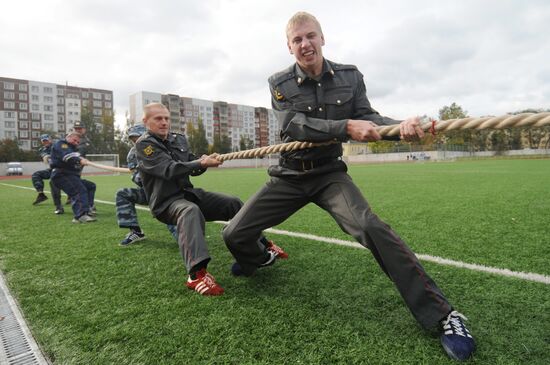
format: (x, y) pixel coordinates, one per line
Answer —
(147, 108)
(300, 18)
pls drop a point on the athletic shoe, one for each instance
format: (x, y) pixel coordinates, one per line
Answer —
(84, 219)
(59, 211)
(237, 270)
(455, 337)
(132, 237)
(40, 198)
(204, 284)
(272, 247)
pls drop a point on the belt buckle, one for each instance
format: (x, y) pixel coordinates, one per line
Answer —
(304, 164)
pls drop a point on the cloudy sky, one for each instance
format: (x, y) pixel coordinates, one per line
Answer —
(489, 56)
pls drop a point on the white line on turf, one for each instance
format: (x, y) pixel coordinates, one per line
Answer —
(539, 278)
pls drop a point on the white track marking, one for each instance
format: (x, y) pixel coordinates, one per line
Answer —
(539, 278)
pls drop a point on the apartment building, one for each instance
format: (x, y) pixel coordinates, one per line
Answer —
(236, 121)
(29, 108)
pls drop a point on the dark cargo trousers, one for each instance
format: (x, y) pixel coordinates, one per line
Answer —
(38, 178)
(338, 195)
(126, 215)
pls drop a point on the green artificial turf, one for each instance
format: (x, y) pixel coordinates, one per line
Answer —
(90, 301)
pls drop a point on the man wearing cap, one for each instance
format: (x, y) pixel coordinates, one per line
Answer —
(38, 177)
(127, 198)
(67, 163)
(85, 146)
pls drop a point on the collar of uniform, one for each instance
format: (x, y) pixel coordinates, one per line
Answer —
(301, 76)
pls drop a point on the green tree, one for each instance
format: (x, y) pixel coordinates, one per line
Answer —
(197, 138)
(245, 143)
(455, 111)
(10, 151)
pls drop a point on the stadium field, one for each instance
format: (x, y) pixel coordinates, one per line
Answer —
(88, 300)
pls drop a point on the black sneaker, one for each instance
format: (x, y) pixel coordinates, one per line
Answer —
(132, 237)
(59, 211)
(40, 198)
(455, 337)
(237, 270)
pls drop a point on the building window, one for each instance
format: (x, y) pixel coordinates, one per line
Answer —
(23, 115)
(35, 134)
(35, 107)
(97, 104)
(60, 92)
(60, 118)
(9, 124)
(60, 101)
(48, 108)
(35, 98)
(35, 116)
(23, 134)
(22, 87)
(48, 126)
(9, 105)
(85, 103)
(84, 95)
(35, 125)
(9, 114)
(60, 109)
(23, 125)
(107, 96)
(48, 90)
(22, 96)
(9, 95)
(97, 112)
(23, 106)
(108, 105)
(9, 85)
(48, 117)
(34, 144)
(9, 134)
(48, 99)
(35, 89)
(97, 96)
(61, 127)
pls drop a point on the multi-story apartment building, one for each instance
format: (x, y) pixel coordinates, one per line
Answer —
(29, 108)
(220, 118)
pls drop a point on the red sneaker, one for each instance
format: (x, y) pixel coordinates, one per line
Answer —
(204, 284)
(272, 247)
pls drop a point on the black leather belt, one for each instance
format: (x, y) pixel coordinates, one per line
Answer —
(304, 165)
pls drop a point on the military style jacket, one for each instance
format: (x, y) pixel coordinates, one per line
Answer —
(132, 160)
(165, 167)
(85, 146)
(318, 111)
(65, 158)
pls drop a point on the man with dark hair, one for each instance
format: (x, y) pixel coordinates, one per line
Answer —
(318, 100)
(67, 168)
(38, 177)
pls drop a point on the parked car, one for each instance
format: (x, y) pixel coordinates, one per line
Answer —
(14, 168)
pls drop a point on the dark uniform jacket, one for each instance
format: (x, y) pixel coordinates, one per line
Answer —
(45, 152)
(65, 158)
(165, 167)
(318, 111)
(85, 146)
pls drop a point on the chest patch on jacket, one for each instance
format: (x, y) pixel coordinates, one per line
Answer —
(148, 150)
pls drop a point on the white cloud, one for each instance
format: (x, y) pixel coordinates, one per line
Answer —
(491, 57)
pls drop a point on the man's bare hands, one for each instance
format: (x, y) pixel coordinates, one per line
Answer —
(84, 161)
(410, 129)
(362, 131)
(210, 160)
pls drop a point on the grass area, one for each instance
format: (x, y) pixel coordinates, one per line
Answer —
(90, 301)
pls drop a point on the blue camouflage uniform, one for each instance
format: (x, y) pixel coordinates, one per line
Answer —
(38, 177)
(65, 162)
